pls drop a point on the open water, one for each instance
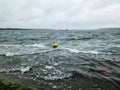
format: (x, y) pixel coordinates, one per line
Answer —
(84, 60)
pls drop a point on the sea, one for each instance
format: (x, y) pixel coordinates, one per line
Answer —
(84, 59)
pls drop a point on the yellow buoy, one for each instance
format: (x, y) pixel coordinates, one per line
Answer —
(55, 45)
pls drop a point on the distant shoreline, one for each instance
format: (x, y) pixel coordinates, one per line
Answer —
(56, 29)
(23, 29)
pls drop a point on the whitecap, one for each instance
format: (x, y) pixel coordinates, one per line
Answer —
(10, 50)
(24, 69)
(77, 51)
(73, 50)
(94, 52)
(49, 67)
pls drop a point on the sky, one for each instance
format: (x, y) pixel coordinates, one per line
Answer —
(60, 14)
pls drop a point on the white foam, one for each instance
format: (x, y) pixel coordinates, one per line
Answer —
(4, 70)
(10, 54)
(37, 45)
(10, 50)
(8, 70)
(24, 69)
(49, 67)
(55, 64)
(32, 45)
(94, 52)
(77, 51)
(73, 50)
(61, 75)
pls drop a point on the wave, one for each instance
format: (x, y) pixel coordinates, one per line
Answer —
(32, 45)
(10, 50)
(55, 64)
(78, 51)
(75, 38)
(97, 76)
(112, 50)
(17, 70)
(32, 38)
(102, 81)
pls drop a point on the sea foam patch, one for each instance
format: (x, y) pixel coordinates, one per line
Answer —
(10, 50)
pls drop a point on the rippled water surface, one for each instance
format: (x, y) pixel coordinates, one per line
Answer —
(84, 60)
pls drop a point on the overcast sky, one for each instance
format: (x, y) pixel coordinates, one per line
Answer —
(60, 14)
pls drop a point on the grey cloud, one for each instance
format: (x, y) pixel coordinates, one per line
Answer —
(59, 13)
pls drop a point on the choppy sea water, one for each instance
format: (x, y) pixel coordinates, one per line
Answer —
(84, 60)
